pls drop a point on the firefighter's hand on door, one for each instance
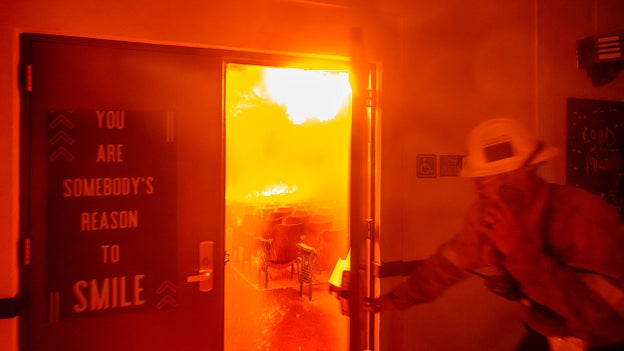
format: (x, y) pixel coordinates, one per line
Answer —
(381, 303)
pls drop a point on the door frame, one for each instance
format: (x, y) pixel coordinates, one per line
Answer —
(364, 190)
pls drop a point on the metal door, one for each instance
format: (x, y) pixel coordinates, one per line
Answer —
(122, 196)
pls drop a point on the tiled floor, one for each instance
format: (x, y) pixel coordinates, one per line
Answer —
(277, 318)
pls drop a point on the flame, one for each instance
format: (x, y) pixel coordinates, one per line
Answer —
(308, 94)
(274, 189)
(267, 154)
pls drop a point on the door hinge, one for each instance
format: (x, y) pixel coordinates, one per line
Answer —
(27, 251)
(28, 78)
(369, 228)
(371, 98)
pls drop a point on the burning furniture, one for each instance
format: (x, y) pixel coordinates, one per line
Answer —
(280, 250)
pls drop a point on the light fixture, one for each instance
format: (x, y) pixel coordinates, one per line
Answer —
(602, 55)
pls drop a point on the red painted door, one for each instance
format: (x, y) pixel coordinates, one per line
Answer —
(122, 183)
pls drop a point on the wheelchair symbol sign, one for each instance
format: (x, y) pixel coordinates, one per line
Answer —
(426, 166)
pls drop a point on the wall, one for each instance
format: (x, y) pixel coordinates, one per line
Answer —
(559, 28)
(445, 66)
(466, 61)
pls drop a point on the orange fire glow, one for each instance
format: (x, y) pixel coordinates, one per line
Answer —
(308, 94)
(287, 134)
(274, 189)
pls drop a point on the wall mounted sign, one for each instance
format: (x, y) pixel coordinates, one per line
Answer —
(111, 212)
(595, 147)
(426, 166)
(450, 165)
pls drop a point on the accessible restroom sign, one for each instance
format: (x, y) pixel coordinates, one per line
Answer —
(111, 212)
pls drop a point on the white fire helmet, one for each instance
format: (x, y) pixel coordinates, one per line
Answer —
(502, 145)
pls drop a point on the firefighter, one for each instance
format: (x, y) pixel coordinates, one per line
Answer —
(557, 250)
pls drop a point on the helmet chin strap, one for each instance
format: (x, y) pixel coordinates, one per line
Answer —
(527, 161)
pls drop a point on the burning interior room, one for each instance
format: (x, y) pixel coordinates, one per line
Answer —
(287, 177)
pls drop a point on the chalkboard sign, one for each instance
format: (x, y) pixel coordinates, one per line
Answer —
(595, 146)
(111, 211)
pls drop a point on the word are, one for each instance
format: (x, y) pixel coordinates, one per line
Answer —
(109, 293)
(109, 220)
(109, 153)
(85, 187)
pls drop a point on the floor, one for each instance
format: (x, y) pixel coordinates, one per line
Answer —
(277, 317)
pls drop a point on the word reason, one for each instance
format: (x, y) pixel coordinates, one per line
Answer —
(109, 220)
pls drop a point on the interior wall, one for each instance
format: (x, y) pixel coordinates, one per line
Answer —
(559, 29)
(445, 66)
(465, 62)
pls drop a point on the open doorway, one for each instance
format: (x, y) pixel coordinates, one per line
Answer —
(287, 190)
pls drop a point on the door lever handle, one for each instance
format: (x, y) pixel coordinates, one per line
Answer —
(204, 278)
